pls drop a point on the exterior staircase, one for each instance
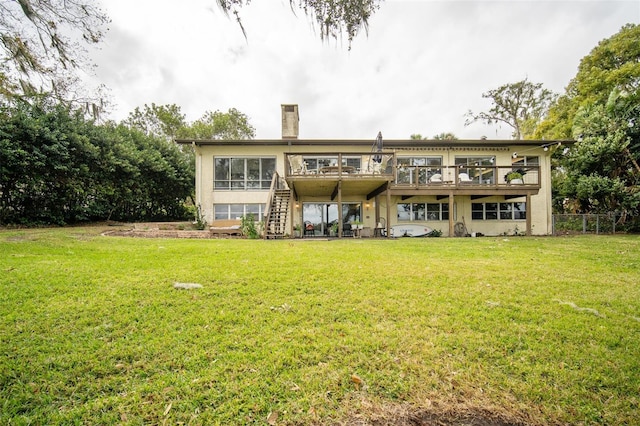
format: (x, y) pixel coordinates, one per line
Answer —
(276, 220)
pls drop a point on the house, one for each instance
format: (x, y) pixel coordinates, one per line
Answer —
(459, 187)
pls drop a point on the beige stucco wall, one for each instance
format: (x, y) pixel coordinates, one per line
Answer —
(540, 203)
(206, 197)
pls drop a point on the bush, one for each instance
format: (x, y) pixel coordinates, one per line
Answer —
(248, 226)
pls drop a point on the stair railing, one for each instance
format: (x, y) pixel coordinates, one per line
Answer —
(275, 184)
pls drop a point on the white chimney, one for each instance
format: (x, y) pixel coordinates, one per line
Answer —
(290, 121)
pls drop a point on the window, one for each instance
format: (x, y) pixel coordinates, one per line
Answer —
(235, 211)
(513, 211)
(351, 162)
(423, 211)
(479, 169)
(315, 164)
(243, 173)
(503, 211)
(526, 161)
(421, 169)
(437, 211)
(528, 167)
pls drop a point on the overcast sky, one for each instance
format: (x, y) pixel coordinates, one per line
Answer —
(422, 66)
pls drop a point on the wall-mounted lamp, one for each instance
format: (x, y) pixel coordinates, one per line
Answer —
(544, 147)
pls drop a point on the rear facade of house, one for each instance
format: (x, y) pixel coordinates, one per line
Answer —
(372, 186)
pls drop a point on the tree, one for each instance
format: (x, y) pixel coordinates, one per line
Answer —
(157, 120)
(39, 47)
(333, 17)
(448, 136)
(78, 171)
(168, 122)
(521, 106)
(220, 125)
(613, 63)
(601, 171)
(600, 109)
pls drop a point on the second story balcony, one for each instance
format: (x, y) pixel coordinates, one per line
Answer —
(318, 174)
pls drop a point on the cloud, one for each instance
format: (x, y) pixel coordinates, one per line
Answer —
(423, 65)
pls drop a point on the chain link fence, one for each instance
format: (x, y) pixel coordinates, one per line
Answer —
(609, 223)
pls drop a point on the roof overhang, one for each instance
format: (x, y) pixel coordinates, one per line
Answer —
(388, 143)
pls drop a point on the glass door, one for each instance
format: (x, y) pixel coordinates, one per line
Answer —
(320, 218)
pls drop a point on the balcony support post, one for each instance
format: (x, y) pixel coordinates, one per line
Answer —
(340, 218)
(528, 213)
(388, 211)
(451, 218)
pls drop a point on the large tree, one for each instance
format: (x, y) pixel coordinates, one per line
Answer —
(333, 17)
(601, 111)
(220, 125)
(168, 122)
(521, 106)
(158, 120)
(601, 172)
(613, 63)
(41, 41)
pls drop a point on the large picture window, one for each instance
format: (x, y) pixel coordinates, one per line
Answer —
(243, 173)
(235, 211)
(495, 211)
(423, 211)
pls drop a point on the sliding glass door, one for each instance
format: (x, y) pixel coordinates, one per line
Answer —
(320, 217)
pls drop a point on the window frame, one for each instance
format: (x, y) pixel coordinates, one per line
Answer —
(232, 210)
(480, 168)
(233, 173)
(427, 166)
(508, 210)
(420, 212)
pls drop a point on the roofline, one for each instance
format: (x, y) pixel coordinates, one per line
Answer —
(388, 143)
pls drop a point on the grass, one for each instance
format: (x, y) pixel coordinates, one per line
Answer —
(526, 330)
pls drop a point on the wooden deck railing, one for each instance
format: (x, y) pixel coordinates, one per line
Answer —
(358, 166)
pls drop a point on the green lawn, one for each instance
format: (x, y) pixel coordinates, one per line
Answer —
(535, 330)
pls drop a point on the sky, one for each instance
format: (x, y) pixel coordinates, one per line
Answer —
(422, 65)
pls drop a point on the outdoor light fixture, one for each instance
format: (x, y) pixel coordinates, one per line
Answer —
(544, 147)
